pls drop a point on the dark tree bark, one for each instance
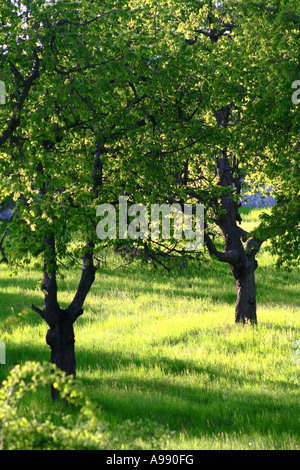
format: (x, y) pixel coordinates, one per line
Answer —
(60, 336)
(23, 92)
(239, 256)
(61, 339)
(4, 258)
(245, 309)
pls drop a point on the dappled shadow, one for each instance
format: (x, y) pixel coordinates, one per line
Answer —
(114, 361)
(23, 352)
(11, 305)
(164, 393)
(203, 408)
(213, 282)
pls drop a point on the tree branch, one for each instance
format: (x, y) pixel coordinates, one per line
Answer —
(244, 235)
(40, 312)
(252, 246)
(50, 284)
(15, 121)
(230, 257)
(86, 281)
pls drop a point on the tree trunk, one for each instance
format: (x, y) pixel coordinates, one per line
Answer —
(245, 309)
(241, 258)
(60, 336)
(4, 259)
(61, 339)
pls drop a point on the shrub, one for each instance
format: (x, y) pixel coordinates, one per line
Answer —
(68, 431)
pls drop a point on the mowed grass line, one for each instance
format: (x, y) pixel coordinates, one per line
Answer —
(161, 356)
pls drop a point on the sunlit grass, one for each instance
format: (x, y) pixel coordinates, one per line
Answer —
(161, 356)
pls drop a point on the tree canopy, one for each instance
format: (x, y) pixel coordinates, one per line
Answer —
(164, 102)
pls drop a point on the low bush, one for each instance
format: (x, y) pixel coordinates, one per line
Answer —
(64, 430)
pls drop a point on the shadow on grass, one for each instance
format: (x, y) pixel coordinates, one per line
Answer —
(213, 282)
(19, 305)
(21, 353)
(207, 408)
(221, 401)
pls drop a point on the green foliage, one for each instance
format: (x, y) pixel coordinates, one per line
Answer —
(142, 81)
(71, 424)
(268, 65)
(160, 358)
(35, 431)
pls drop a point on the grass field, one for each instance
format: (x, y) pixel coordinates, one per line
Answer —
(160, 355)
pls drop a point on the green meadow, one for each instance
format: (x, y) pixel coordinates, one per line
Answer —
(160, 356)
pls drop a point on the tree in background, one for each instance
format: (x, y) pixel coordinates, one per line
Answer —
(270, 39)
(221, 109)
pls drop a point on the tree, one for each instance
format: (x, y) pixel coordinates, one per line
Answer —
(193, 108)
(216, 68)
(272, 119)
(53, 142)
(155, 101)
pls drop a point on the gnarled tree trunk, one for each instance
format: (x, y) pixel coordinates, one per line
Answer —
(60, 336)
(61, 339)
(245, 308)
(239, 256)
